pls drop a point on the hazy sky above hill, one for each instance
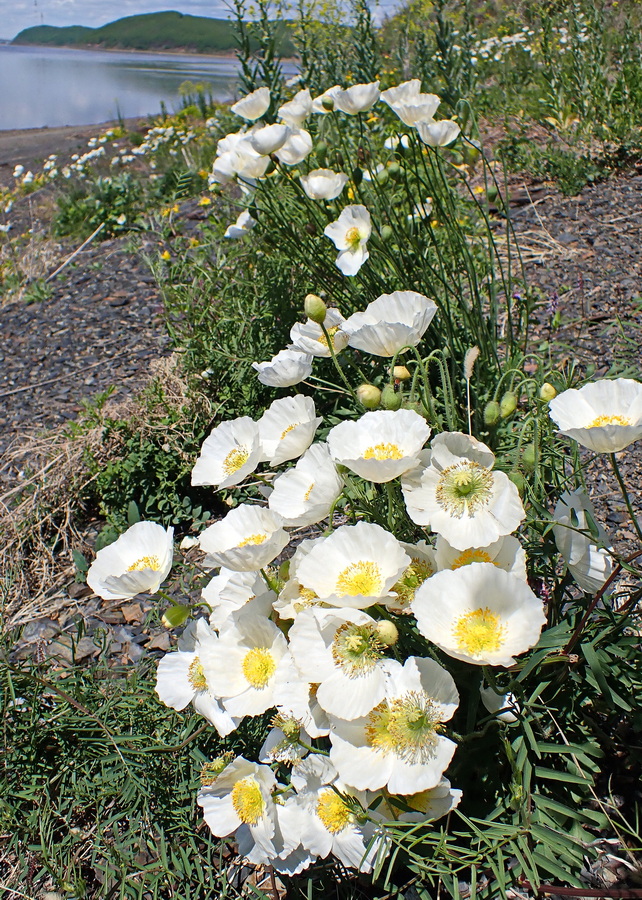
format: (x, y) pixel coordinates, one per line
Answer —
(18, 14)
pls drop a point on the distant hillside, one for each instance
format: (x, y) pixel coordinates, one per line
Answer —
(152, 31)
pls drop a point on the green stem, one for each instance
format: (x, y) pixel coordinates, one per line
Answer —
(625, 494)
(337, 365)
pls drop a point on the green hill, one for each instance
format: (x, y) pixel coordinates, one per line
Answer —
(152, 31)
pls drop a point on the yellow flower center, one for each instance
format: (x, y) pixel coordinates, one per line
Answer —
(258, 667)
(288, 430)
(322, 339)
(356, 648)
(353, 237)
(471, 556)
(235, 459)
(253, 539)
(464, 487)
(360, 578)
(406, 726)
(412, 578)
(479, 632)
(248, 801)
(196, 675)
(383, 451)
(601, 421)
(145, 562)
(333, 811)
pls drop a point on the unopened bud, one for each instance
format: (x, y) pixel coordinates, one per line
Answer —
(284, 570)
(394, 169)
(387, 632)
(492, 413)
(328, 103)
(401, 373)
(528, 458)
(508, 404)
(390, 398)
(383, 177)
(369, 396)
(321, 151)
(547, 392)
(315, 308)
(357, 176)
(175, 616)
(386, 233)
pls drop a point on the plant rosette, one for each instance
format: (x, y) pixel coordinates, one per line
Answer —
(458, 494)
(138, 562)
(390, 323)
(381, 445)
(604, 416)
(479, 613)
(398, 744)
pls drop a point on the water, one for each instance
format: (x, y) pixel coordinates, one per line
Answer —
(41, 86)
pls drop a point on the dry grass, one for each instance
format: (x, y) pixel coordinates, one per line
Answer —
(42, 516)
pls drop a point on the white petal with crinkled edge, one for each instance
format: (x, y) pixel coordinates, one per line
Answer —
(428, 805)
(229, 591)
(288, 367)
(296, 148)
(287, 428)
(605, 415)
(270, 138)
(323, 184)
(317, 103)
(506, 553)
(230, 453)
(381, 445)
(296, 111)
(402, 93)
(356, 99)
(253, 105)
(304, 495)
(137, 562)
(437, 134)
(240, 228)
(355, 566)
(308, 337)
(390, 322)
(246, 540)
(172, 682)
(479, 613)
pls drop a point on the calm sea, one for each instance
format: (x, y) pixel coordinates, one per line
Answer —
(49, 87)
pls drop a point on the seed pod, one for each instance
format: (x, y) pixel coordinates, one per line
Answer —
(321, 151)
(528, 458)
(357, 176)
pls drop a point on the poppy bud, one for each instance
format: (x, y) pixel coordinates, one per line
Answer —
(369, 396)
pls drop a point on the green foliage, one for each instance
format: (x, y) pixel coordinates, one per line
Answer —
(115, 202)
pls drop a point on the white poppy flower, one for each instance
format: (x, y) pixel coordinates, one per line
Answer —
(323, 184)
(350, 233)
(396, 141)
(247, 539)
(355, 566)
(270, 138)
(296, 148)
(438, 134)
(304, 494)
(283, 741)
(288, 367)
(296, 111)
(137, 562)
(506, 553)
(253, 105)
(240, 228)
(479, 613)
(229, 591)
(356, 99)
(390, 322)
(398, 744)
(417, 110)
(291, 857)
(235, 156)
(297, 699)
(425, 806)
(309, 337)
(422, 566)
(229, 454)
(589, 564)
(339, 650)
(381, 445)
(459, 496)
(287, 428)
(317, 103)
(403, 92)
(251, 651)
(294, 596)
(336, 820)
(605, 416)
(504, 706)
(181, 679)
(241, 795)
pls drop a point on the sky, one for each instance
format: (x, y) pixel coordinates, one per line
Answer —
(18, 14)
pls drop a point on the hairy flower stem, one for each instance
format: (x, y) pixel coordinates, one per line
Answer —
(625, 494)
(337, 365)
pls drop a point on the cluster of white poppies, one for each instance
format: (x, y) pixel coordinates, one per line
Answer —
(246, 156)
